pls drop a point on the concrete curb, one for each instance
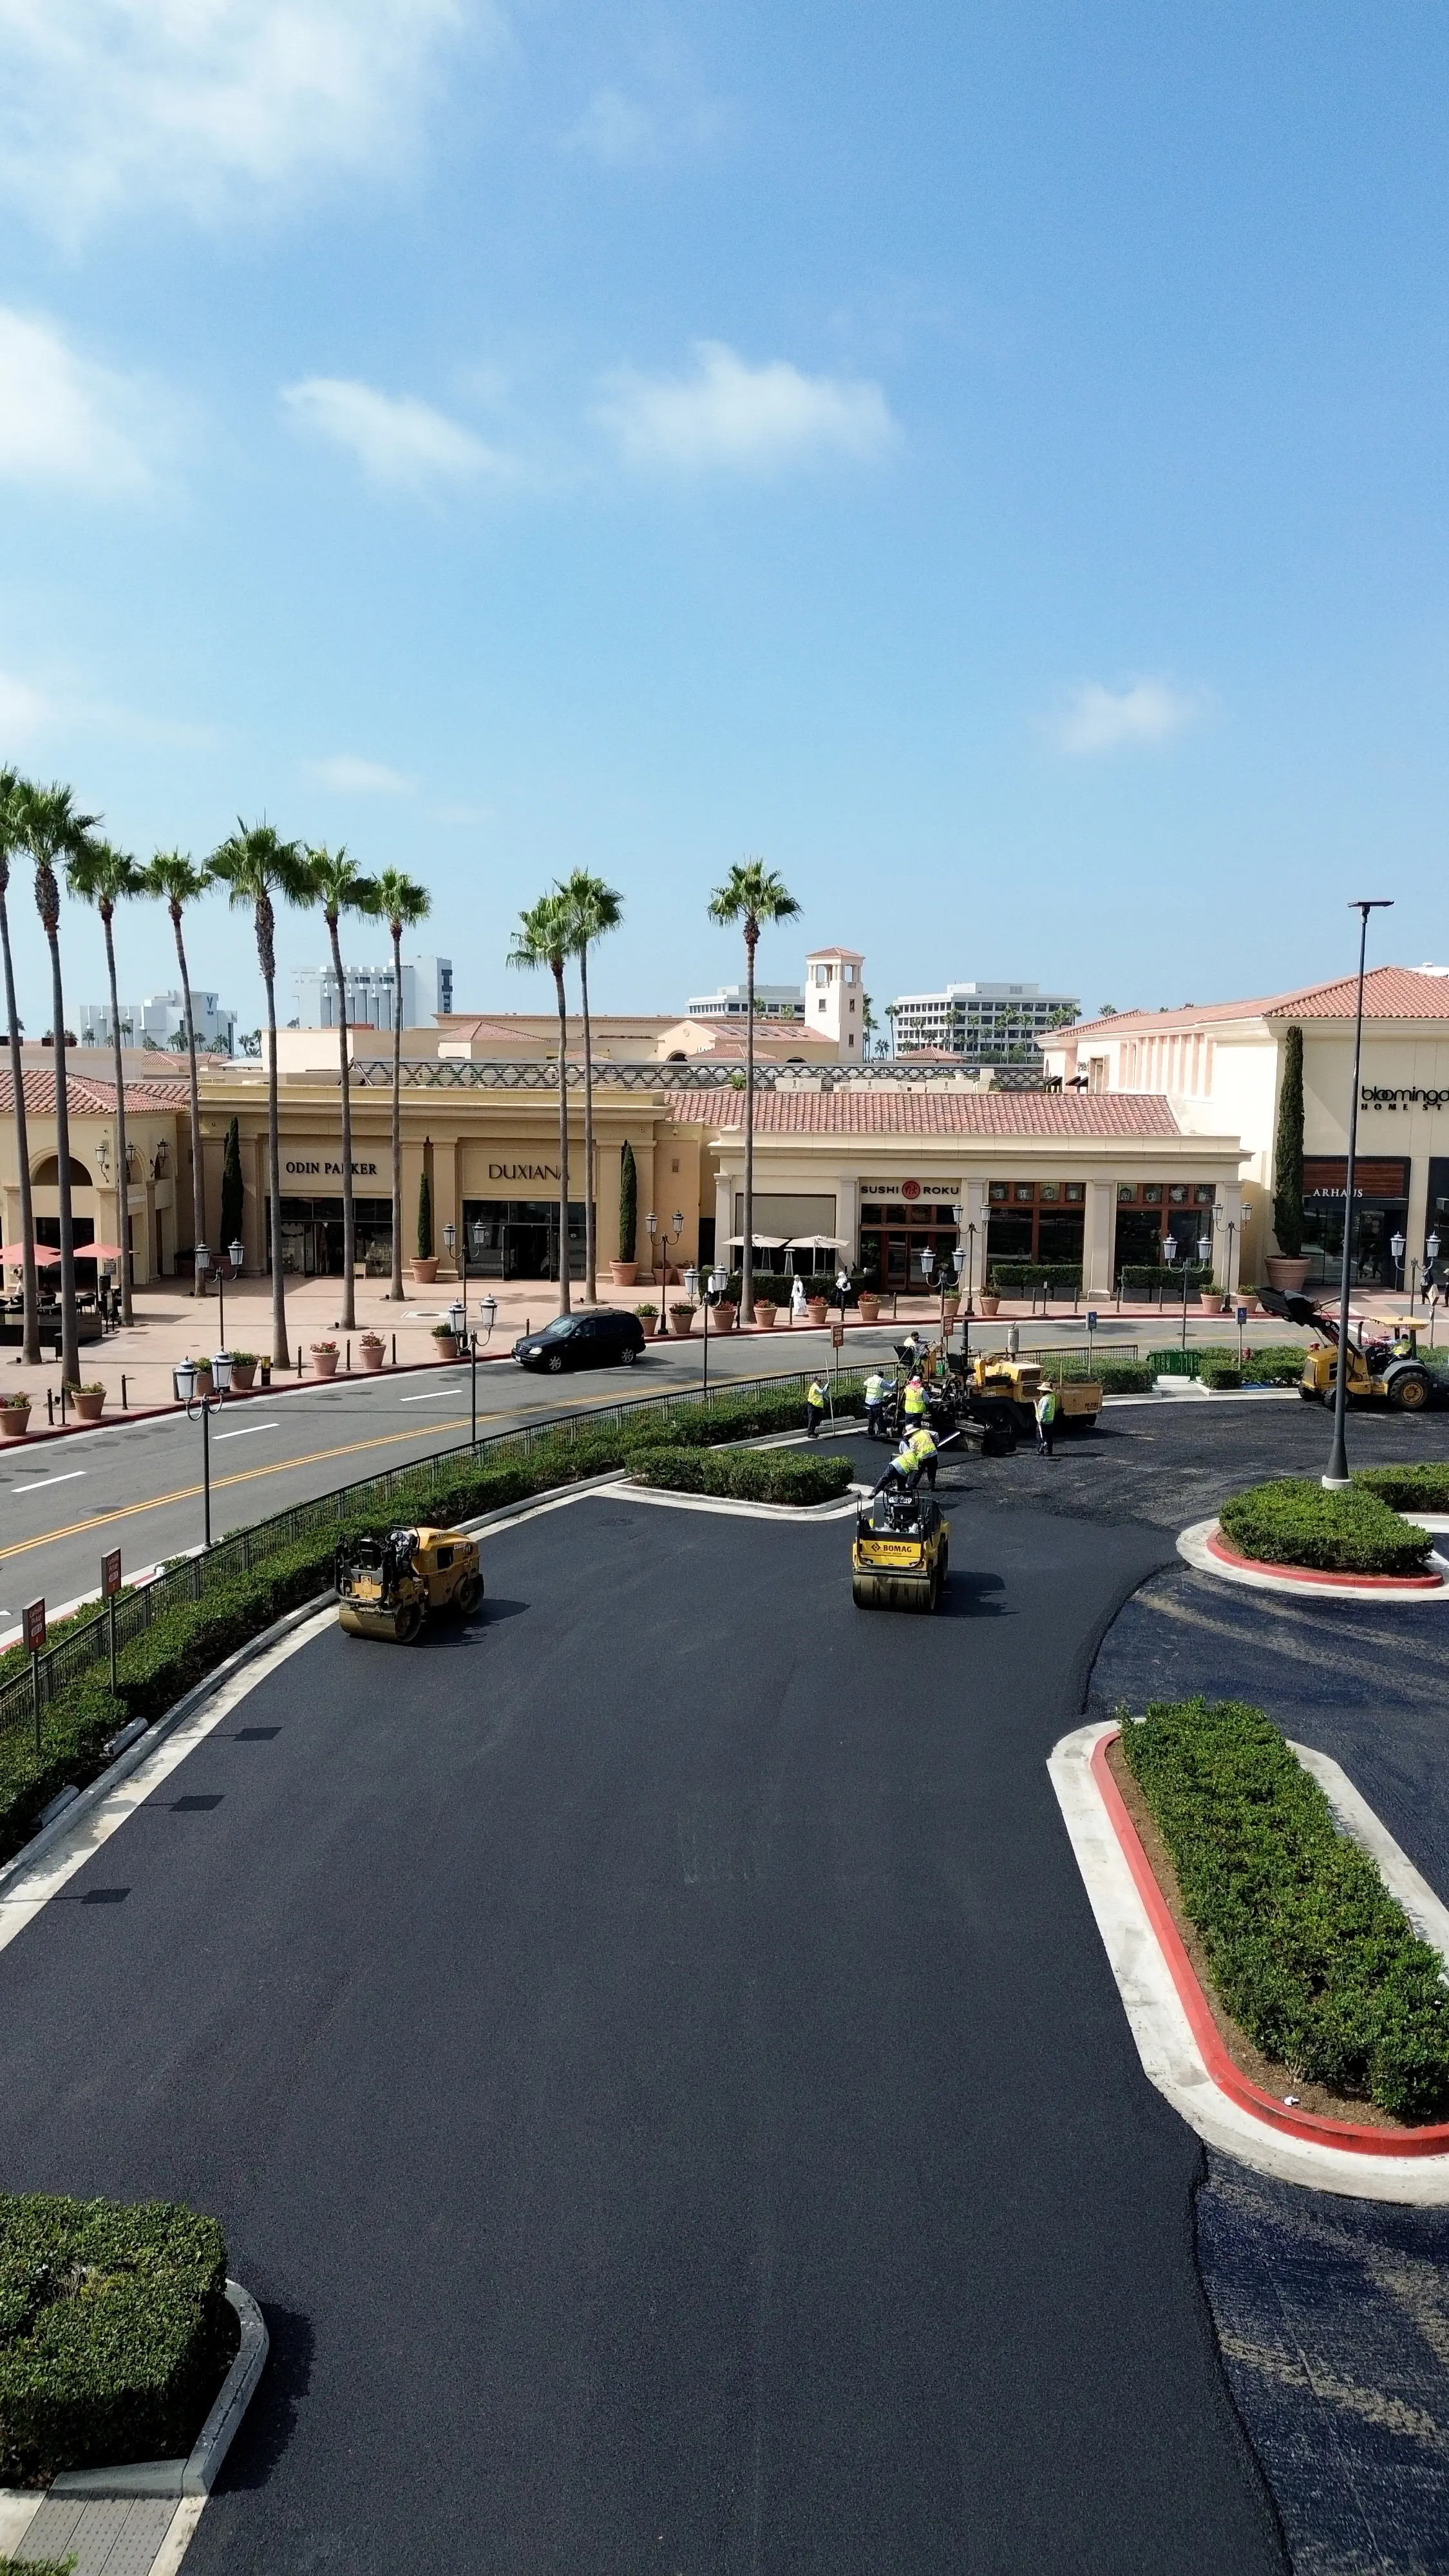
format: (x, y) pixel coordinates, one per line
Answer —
(1192, 1545)
(197, 2473)
(1166, 2043)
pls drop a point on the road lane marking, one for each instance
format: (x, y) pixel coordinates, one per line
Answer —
(46, 1482)
(247, 1433)
(438, 1395)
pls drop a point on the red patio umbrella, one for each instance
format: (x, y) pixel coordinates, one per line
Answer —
(13, 1257)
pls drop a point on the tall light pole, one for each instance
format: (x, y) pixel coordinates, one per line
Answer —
(1337, 1476)
(206, 1405)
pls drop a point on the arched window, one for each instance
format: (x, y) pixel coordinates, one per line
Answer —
(46, 1174)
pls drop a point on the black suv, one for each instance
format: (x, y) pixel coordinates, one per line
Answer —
(582, 1341)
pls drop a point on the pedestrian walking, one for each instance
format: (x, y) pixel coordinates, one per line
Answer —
(1046, 1422)
(817, 1396)
(875, 1396)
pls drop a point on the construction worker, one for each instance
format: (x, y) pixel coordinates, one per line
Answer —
(904, 1469)
(913, 1403)
(817, 1396)
(875, 1395)
(922, 1446)
(1046, 1422)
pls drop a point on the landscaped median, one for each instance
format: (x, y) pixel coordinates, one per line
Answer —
(188, 1638)
(1295, 1534)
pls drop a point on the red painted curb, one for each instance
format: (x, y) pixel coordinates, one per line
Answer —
(1218, 1546)
(1345, 2134)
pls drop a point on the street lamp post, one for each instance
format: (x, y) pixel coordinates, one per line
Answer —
(1397, 1248)
(1337, 1475)
(205, 1406)
(1431, 1255)
(714, 1288)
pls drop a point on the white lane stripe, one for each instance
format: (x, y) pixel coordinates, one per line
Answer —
(435, 1396)
(246, 1435)
(47, 1481)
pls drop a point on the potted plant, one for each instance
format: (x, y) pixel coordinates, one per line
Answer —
(14, 1416)
(243, 1371)
(647, 1314)
(203, 1384)
(425, 1263)
(324, 1358)
(87, 1401)
(765, 1312)
(726, 1316)
(991, 1297)
(445, 1342)
(681, 1318)
(818, 1293)
(371, 1350)
(1210, 1298)
(626, 1269)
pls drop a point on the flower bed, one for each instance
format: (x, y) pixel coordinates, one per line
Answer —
(1307, 1949)
(115, 2332)
(753, 1475)
(1294, 1523)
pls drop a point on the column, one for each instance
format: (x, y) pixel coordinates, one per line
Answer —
(847, 1215)
(1099, 1238)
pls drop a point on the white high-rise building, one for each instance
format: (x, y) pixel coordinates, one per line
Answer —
(772, 1002)
(427, 993)
(160, 1021)
(987, 1022)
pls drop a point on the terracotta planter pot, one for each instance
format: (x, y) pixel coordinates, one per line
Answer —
(950, 1309)
(14, 1421)
(243, 1375)
(86, 1407)
(371, 1354)
(1286, 1273)
(724, 1319)
(203, 1384)
(425, 1272)
(324, 1362)
(623, 1273)
(870, 1310)
(444, 1347)
(765, 1313)
(816, 1309)
(681, 1322)
(990, 1305)
(1210, 1300)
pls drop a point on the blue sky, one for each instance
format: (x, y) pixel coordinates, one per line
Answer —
(987, 460)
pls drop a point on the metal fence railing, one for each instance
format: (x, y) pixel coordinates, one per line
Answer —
(29, 1683)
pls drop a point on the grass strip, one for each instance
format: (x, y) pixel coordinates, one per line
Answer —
(1293, 1522)
(1307, 1949)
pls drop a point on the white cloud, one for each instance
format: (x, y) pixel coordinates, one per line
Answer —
(349, 776)
(730, 414)
(24, 713)
(1100, 719)
(396, 439)
(621, 131)
(204, 103)
(64, 421)
(615, 129)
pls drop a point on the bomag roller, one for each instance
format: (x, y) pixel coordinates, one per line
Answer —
(391, 1587)
(1384, 1366)
(899, 1558)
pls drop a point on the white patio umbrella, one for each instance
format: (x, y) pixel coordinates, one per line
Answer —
(815, 1243)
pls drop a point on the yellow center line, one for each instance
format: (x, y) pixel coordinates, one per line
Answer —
(249, 1475)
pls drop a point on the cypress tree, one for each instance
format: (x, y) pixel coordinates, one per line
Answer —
(1288, 1150)
(628, 1203)
(233, 1188)
(425, 1219)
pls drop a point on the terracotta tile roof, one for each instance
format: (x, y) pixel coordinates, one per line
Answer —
(860, 1109)
(86, 1096)
(1389, 993)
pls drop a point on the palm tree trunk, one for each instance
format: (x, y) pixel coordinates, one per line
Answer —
(563, 1144)
(123, 1185)
(30, 1347)
(69, 1337)
(349, 1212)
(591, 1266)
(198, 1189)
(747, 1264)
(266, 956)
(397, 1283)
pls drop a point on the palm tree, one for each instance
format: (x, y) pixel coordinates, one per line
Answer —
(338, 888)
(100, 875)
(595, 908)
(545, 937)
(11, 790)
(396, 900)
(52, 829)
(175, 881)
(254, 864)
(751, 893)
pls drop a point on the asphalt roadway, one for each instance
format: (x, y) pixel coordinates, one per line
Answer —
(653, 2058)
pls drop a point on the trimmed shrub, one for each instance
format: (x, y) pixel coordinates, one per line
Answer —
(1059, 1278)
(1407, 1489)
(1292, 1522)
(1306, 1947)
(628, 1202)
(1147, 1278)
(115, 2331)
(749, 1475)
(1276, 1364)
(1220, 1370)
(1115, 1377)
(1288, 1150)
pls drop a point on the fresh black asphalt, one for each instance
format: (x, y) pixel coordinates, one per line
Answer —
(654, 2061)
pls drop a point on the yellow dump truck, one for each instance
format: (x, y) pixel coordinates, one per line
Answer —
(391, 1587)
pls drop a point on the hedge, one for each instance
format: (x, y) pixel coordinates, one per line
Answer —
(187, 1641)
(1293, 1522)
(1064, 1278)
(1407, 1489)
(1220, 1370)
(756, 1475)
(1307, 1949)
(1115, 1377)
(115, 2331)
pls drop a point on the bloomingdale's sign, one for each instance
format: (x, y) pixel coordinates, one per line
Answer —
(1376, 1095)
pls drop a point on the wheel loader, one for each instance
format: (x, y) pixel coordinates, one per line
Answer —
(391, 1587)
(898, 1560)
(1384, 1366)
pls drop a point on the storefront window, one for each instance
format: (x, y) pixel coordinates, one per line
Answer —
(518, 1238)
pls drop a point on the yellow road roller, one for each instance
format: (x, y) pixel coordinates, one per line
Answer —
(391, 1587)
(899, 1556)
